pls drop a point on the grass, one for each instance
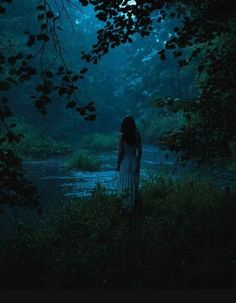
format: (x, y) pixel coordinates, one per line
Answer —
(100, 142)
(185, 238)
(85, 161)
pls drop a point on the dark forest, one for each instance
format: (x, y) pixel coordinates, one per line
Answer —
(72, 72)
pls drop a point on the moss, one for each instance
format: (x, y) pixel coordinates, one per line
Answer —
(85, 161)
(100, 142)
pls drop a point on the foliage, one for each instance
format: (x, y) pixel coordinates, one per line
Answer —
(207, 31)
(85, 161)
(232, 165)
(154, 125)
(38, 145)
(185, 238)
(15, 189)
(29, 64)
(100, 142)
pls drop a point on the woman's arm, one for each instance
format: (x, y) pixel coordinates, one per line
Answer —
(120, 152)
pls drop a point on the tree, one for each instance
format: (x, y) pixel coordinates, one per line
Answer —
(50, 75)
(208, 33)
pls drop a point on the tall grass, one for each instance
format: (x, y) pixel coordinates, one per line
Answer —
(184, 238)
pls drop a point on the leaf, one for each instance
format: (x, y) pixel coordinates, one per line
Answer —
(31, 40)
(12, 60)
(62, 91)
(102, 16)
(75, 78)
(2, 10)
(5, 86)
(81, 110)
(163, 56)
(48, 74)
(71, 104)
(84, 2)
(43, 37)
(177, 54)
(50, 14)
(40, 7)
(83, 70)
(92, 117)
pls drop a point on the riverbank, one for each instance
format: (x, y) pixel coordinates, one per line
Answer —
(55, 182)
(184, 238)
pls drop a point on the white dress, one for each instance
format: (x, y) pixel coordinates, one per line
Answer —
(129, 174)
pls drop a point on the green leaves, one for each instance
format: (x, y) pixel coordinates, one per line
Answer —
(83, 70)
(43, 37)
(162, 54)
(71, 104)
(31, 40)
(102, 16)
(40, 7)
(86, 111)
(2, 10)
(5, 86)
(84, 2)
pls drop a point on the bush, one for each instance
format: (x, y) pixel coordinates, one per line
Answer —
(185, 238)
(100, 142)
(153, 126)
(232, 165)
(37, 145)
(84, 161)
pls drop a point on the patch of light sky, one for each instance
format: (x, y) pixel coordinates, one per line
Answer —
(132, 2)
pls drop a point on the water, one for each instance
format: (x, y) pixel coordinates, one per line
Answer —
(55, 181)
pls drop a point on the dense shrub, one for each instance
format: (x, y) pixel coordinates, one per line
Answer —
(153, 125)
(85, 161)
(184, 238)
(232, 165)
(100, 142)
(35, 144)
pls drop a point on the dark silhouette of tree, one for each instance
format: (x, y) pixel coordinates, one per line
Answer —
(55, 78)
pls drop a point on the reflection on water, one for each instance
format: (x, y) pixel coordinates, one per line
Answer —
(54, 181)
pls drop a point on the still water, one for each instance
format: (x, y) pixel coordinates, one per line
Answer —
(56, 183)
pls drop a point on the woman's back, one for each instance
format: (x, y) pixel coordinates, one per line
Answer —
(128, 163)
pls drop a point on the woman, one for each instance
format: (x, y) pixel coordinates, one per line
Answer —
(128, 163)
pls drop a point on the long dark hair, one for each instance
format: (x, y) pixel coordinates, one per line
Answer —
(129, 130)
